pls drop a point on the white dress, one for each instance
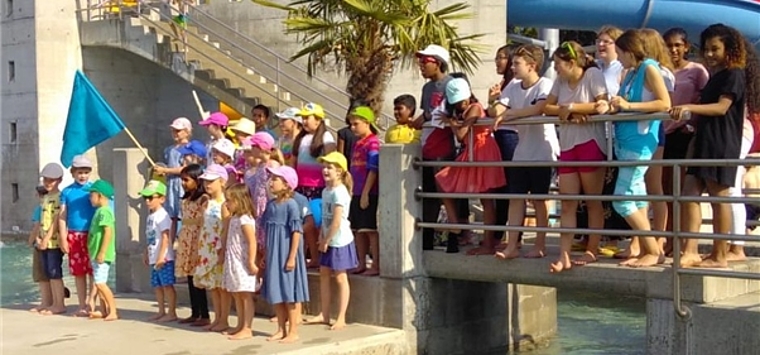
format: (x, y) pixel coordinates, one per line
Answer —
(236, 276)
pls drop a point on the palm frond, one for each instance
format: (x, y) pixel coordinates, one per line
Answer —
(274, 5)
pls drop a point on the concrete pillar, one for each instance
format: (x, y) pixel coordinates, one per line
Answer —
(129, 177)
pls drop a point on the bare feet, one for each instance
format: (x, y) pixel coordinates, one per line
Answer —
(233, 331)
(52, 311)
(111, 317)
(219, 327)
(200, 322)
(81, 313)
(507, 254)
(156, 317)
(339, 324)
(275, 336)
(167, 318)
(96, 315)
(241, 334)
(712, 263)
(38, 309)
(627, 254)
(649, 260)
(371, 272)
(559, 266)
(319, 319)
(736, 254)
(536, 253)
(187, 320)
(481, 251)
(273, 319)
(629, 262)
(501, 247)
(358, 271)
(211, 325)
(586, 259)
(690, 259)
(290, 338)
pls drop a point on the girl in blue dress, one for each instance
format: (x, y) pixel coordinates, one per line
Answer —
(285, 285)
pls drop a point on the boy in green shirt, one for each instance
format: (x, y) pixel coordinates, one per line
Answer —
(101, 244)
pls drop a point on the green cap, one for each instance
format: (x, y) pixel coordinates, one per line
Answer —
(366, 114)
(154, 187)
(102, 187)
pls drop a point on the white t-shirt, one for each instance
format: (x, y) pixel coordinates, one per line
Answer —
(502, 99)
(308, 169)
(332, 197)
(537, 142)
(158, 222)
(591, 85)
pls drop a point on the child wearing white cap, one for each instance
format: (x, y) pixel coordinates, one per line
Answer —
(223, 153)
(182, 130)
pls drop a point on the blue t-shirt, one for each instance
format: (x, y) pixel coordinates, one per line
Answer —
(303, 204)
(37, 214)
(79, 210)
(331, 198)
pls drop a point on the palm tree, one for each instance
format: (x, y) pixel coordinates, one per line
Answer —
(367, 39)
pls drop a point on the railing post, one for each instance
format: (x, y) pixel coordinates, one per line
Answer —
(277, 82)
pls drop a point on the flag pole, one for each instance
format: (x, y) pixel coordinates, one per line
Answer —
(204, 114)
(139, 146)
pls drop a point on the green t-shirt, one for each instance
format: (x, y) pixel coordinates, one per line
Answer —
(103, 218)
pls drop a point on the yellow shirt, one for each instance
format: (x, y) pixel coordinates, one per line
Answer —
(402, 134)
(51, 204)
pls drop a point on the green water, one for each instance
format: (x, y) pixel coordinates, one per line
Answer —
(589, 324)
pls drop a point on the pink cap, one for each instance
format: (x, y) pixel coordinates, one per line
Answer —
(287, 173)
(182, 123)
(213, 172)
(216, 118)
(263, 140)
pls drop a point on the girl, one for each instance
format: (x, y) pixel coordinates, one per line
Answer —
(579, 91)
(526, 97)
(216, 124)
(337, 241)
(193, 205)
(261, 147)
(643, 90)
(691, 77)
(242, 129)
(208, 272)
(290, 124)
(223, 153)
(240, 257)
(735, 82)
(364, 170)
(607, 57)
(182, 129)
(465, 110)
(285, 282)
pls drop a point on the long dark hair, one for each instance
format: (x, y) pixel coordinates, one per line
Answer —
(508, 51)
(194, 172)
(317, 142)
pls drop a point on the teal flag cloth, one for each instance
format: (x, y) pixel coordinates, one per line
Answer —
(90, 121)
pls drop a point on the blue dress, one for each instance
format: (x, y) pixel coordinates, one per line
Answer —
(174, 191)
(281, 220)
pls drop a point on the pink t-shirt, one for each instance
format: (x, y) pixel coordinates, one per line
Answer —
(689, 82)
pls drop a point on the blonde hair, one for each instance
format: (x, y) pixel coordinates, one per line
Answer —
(345, 177)
(276, 155)
(655, 48)
(239, 194)
(611, 31)
(285, 194)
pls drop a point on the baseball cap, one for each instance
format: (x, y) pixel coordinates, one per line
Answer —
(457, 90)
(102, 187)
(80, 161)
(181, 123)
(335, 158)
(194, 147)
(262, 140)
(244, 125)
(52, 171)
(435, 51)
(291, 113)
(213, 172)
(365, 113)
(312, 109)
(286, 173)
(225, 146)
(154, 187)
(216, 118)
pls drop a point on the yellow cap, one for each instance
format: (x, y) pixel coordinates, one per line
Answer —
(335, 158)
(312, 109)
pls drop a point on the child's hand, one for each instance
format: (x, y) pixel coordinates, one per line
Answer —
(323, 246)
(602, 107)
(364, 201)
(618, 104)
(497, 122)
(220, 256)
(290, 265)
(43, 243)
(159, 265)
(564, 113)
(145, 260)
(495, 91)
(101, 258)
(677, 112)
(252, 268)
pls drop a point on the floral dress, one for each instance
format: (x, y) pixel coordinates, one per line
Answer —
(208, 272)
(187, 255)
(236, 275)
(260, 196)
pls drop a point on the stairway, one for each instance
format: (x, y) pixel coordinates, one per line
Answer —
(224, 68)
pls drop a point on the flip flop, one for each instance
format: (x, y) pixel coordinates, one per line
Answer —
(66, 292)
(609, 251)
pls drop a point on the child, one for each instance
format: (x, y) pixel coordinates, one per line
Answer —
(186, 258)
(285, 282)
(364, 165)
(74, 223)
(336, 241)
(208, 273)
(290, 124)
(464, 110)
(240, 257)
(159, 254)
(313, 142)
(182, 129)
(260, 115)
(193, 153)
(38, 273)
(49, 244)
(261, 147)
(223, 153)
(102, 247)
(216, 124)
(242, 129)
(402, 132)
(751, 181)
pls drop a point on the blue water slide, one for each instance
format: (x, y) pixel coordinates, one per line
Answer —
(692, 15)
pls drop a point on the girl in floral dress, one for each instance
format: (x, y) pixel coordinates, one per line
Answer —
(261, 147)
(208, 272)
(186, 258)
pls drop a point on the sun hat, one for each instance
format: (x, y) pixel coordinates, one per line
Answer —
(457, 90)
(365, 113)
(312, 109)
(244, 125)
(291, 113)
(102, 187)
(436, 52)
(335, 158)
(181, 123)
(213, 172)
(52, 171)
(225, 146)
(154, 187)
(81, 161)
(286, 173)
(216, 118)
(194, 147)
(263, 140)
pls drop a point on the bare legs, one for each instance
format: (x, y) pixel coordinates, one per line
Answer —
(344, 294)
(692, 219)
(57, 291)
(288, 318)
(311, 235)
(245, 312)
(517, 218)
(46, 297)
(362, 249)
(165, 295)
(652, 253)
(225, 302)
(108, 301)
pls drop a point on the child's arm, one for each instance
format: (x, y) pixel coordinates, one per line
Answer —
(107, 236)
(223, 237)
(249, 232)
(373, 161)
(341, 145)
(35, 233)
(334, 225)
(62, 227)
(293, 214)
(462, 128)
(162, 249)
(717, 109)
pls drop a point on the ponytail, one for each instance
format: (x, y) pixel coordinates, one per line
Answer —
(276, 155)
(348, 181)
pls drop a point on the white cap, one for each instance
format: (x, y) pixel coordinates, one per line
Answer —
(80, 161)
(225, 146)
(436, 51)
(182, 123)
(52, 171)
(292, 113)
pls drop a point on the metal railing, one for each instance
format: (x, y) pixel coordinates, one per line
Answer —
(676, 199)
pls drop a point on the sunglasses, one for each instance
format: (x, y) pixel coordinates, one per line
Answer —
(570, 49)
(151, 198)
(426, 59)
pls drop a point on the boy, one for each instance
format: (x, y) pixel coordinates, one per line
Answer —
(101, 244)
(159, 254)
(38, 272)
(48, 241)
(74, 223)
(194, 153)
(402, 132)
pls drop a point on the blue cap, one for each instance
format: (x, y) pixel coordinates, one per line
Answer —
(194, 147)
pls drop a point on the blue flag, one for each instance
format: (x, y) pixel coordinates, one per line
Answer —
(90, 122)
